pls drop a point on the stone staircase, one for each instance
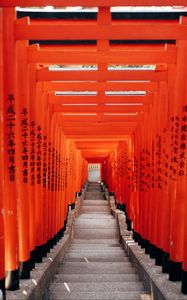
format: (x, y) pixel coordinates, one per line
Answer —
(95, 266)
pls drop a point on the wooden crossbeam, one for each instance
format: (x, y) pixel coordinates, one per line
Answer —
(86, 119)
(91, 30)
(108, 57)
(103, 136)
(96, 131)
(96, 145)
(101, 108)
(89, 3)
(147, 99)
(45, 75)
(97, 128)
(94, 47)
(101, 86)
(80, 124)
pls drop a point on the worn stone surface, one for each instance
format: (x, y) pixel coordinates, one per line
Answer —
(96, 278)
(96, 266)
(151, 275)
(105, 295)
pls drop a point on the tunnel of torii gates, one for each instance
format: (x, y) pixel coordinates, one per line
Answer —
(48, 138)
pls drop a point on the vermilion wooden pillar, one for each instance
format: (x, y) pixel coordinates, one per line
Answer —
(44, 169)
(61, 191)
(135, 189)
(23, 159)
(32, 155)
(39, 205)
(178, 179)
(163, 222)
(10, 190)
(53, 200)
(2, 196)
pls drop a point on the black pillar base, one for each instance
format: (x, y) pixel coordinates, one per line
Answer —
(117, 205)
(62, 232)
(44, 250)
(152, 251)
(2, 287)
(51, 242)
(48, 246)
(184, 282)
(24, 269)
(129, 227)
(143, 242)
(111, 193)
(158, 258)
(175, 270)
(136, 236)
(65, 224)
(32, 259)
(147, 247)
(59, 235)
(38, 252)
(12, 280)
(165, 262)
(139, 240)
(121, 207)
(55, 239)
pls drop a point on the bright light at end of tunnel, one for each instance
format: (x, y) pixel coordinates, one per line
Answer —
(123, 104)
(79, 114)
(49, 8)
(79, 104)
(121, 114)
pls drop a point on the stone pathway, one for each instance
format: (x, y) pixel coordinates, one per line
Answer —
(96, 267)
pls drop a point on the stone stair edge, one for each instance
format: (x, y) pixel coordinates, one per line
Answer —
(155, 282)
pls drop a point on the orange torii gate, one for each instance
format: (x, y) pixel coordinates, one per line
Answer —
(90, 3)
(28, 98)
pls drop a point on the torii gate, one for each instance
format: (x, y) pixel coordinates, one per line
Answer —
(61, 128)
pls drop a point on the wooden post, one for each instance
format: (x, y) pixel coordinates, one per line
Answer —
(10, 126)
(22, 159)
(2, 195)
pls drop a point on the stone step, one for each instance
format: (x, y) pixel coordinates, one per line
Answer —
(91, 252)
(90, 190)
(115, 295)
(99, 258)
(102, 213)
(95, 207)
(97, 268)
(83, 287)
(94, 188)
(95, 247)
(96, 277)
(94, 191)
(95, 216)
(94, 202)
(109, 242)
(93, 224)
(95, 233)
(94, 195)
